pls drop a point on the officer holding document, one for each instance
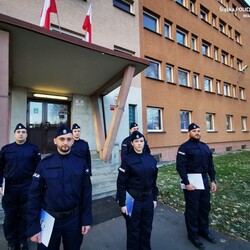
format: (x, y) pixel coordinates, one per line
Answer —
(137, 176)
(61, 186)
(195, 157)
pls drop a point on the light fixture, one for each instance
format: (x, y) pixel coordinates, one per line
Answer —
(242, 71)
(57, 97)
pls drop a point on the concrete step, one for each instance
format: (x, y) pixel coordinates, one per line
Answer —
(99, 193)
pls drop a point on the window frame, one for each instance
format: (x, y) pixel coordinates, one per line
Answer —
(151, 17)
(160, 121)
(186, 123)
(218, 87)
(169, 25)
(124, 5)
(242, 93)
(210, 84)
(168, 66)
(187, 73)
(226, 89)
(207, 47)
(211, 126)
(153, 62)
(184, 35)
(196, 81)
(229, 123)
(244, 123)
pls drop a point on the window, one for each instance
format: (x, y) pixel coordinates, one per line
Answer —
(132, 113)
(218, 87)
(222, 26)
(237, 37)
(196, 81)
(205, 48)
(208, 84)
(192, 4)
(226, 89)
(153, 71)
(231, 61)
(244, 123)
(181, 37)
(168, 29)
(150, 21)
(229, 31)
(204, 13)
(234, 91)
(229, 122)
(169, 73)
(124, 5)
(239, 64)
(183, 77)
(242, 95)
(194, 42)
(224, 57)
(210, 121)
(214, 20)
(216, 53)
(154, 119)
(185, 119)
(182, 2)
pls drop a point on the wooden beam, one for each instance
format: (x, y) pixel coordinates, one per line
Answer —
(98, 125)
(118, 112)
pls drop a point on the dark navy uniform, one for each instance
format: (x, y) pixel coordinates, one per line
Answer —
(195, 157)
(17, 165)
(81, 147)
(137, 175)
(127, 147)
(61, 186)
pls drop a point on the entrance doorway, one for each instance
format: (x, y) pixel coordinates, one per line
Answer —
(43, 119)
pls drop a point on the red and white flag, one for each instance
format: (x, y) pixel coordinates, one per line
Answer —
(87, 25)
(48, 7)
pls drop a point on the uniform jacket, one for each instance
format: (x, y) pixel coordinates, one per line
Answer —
(127, 147)
(194, 157)
(139, 172)
(60, 183)
(18, 161)
(82, 148)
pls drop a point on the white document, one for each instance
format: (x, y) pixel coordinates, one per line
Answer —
(3, 186)
(47, 224)
(196, 180)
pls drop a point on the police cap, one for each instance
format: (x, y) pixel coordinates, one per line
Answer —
(19, 126)
(75, 126)
(136, 135)
(192, 126)
(132, 125)
(62, 130)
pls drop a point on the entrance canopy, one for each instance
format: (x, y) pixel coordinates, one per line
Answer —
(45, 60)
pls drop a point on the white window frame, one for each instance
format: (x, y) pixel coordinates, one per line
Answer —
(244, 123)
(214, 18)
(203, 15)
(126, 3)
(205, 49)
(229, 122)
(169, 25)
(171, 70)
(150, 71)
(196, 81)
(183, 36)
(224, 58)
(181, 73)
(216, 53)
(242, 93)
(226, 89)
(156, 119)
(237, 36)
(181, 2)
(208, 87)
(194, 43)
(218, 87)
(155, 24)
(222, 27)
(234, 91)
(210, 121)
(192, 6)
(232, 61)
(184, 126)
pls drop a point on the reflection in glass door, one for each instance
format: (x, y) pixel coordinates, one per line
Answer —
(43, 120)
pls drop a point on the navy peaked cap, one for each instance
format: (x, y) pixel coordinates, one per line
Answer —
(62, 130)
(75, 126)
(192, 126)
(136, 135)
(19, 126)
(132, 125)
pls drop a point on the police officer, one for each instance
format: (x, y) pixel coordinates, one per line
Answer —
(137, 175)
(126, 147)
(61, 186)
(18, 162)
(81, 146)
(195, 156)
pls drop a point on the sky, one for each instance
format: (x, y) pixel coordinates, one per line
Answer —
(248, 1)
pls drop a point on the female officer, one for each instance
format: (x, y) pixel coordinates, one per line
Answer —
(137, 175)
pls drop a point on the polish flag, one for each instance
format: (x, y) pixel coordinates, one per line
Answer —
(87, 25)
(48, 7)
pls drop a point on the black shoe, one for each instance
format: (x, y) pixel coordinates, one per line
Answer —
(24, 246)
(197, 243)
(209, 237)
(12, 247)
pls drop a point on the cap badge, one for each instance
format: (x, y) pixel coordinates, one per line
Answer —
(65, 131)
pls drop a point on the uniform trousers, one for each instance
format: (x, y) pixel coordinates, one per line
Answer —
(139, 225)
(197, 211)
(69, 231)
(14, 204)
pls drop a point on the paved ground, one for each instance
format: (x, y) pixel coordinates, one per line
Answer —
(169, 233)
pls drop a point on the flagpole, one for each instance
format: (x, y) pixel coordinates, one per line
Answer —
(58, 23)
